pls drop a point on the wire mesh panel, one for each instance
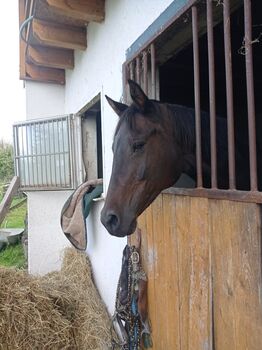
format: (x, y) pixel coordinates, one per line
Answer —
(43, 153)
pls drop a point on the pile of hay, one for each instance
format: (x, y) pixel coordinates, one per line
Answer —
(61, 310)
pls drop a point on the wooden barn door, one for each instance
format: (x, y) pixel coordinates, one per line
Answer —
(203, 260)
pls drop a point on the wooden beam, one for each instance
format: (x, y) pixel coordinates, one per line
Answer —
(60, 36)
(44, 74)
(22, 46)
(51, 57)
(87, 10)
(7, 200)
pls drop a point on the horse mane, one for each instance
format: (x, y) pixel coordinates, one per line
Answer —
(183, 125)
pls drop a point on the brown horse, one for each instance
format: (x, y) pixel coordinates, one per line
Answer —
(154, 144)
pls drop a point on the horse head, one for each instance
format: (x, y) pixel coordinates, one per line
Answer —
(146, 160)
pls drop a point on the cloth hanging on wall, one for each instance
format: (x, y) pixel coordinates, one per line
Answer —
(75, 211)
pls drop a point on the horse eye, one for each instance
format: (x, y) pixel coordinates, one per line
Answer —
(138, 146)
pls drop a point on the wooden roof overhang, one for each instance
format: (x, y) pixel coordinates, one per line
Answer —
(50, 31)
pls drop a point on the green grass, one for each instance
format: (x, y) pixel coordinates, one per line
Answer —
(15, 218)
(13, 255)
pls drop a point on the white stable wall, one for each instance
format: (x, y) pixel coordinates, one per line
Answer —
(97, 70)
(46, 240)
(44, 100)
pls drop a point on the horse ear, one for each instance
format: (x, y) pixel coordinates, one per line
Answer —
(118, 107)
(137, 94)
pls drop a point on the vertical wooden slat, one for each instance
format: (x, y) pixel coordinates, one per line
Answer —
(22, 45)
(194, 273)
(160, 273)
(224, 320)
(197, 96)
(200, 332)
(152, 286)
(237, 275)
(250, 95)
(182, 228)
(229, 93)
(172, 283)
(153, 71)
(212, 93)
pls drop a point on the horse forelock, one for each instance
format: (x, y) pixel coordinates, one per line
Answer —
(131, 113)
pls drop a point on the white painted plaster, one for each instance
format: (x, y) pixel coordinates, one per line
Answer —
(46, 240)
(105, 253)
(44, 100)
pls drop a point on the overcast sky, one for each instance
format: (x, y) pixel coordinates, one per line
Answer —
(12, 93)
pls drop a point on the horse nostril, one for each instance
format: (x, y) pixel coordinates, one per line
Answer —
(112, 221)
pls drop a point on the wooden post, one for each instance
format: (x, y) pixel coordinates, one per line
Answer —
(7, 200)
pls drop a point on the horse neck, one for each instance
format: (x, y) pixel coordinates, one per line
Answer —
(183, 127)
(183, 121)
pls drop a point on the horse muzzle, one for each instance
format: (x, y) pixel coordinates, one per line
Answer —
(115, 225)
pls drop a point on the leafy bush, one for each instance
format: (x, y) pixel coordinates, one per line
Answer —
(6, 162)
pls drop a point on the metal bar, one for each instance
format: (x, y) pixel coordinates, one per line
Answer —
(27, 152)
(37, 121)
(229, 94)
(45, 151)
(138, 70)
(18, 166)
(70, 143)
(131, 69)
(36, 157)
(250, 95)
(58, 152)
(212, 93)
(53, 138)
(49, 145)
(197, 97)
(64, 151)
(125, 76)
(145, 72)
(32, 153)
(41, 152)
(153, 71)
(23, 154)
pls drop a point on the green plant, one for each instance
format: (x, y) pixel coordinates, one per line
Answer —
(6, 162)
(15, 217)
(13, 255)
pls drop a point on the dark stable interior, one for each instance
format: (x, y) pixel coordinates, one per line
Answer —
(180, 88)
(95, 113)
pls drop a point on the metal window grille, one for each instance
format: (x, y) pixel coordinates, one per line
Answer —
(43, 153)
(142, 68)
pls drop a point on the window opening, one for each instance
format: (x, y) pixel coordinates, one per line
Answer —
(207, 65)
(92, 140)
